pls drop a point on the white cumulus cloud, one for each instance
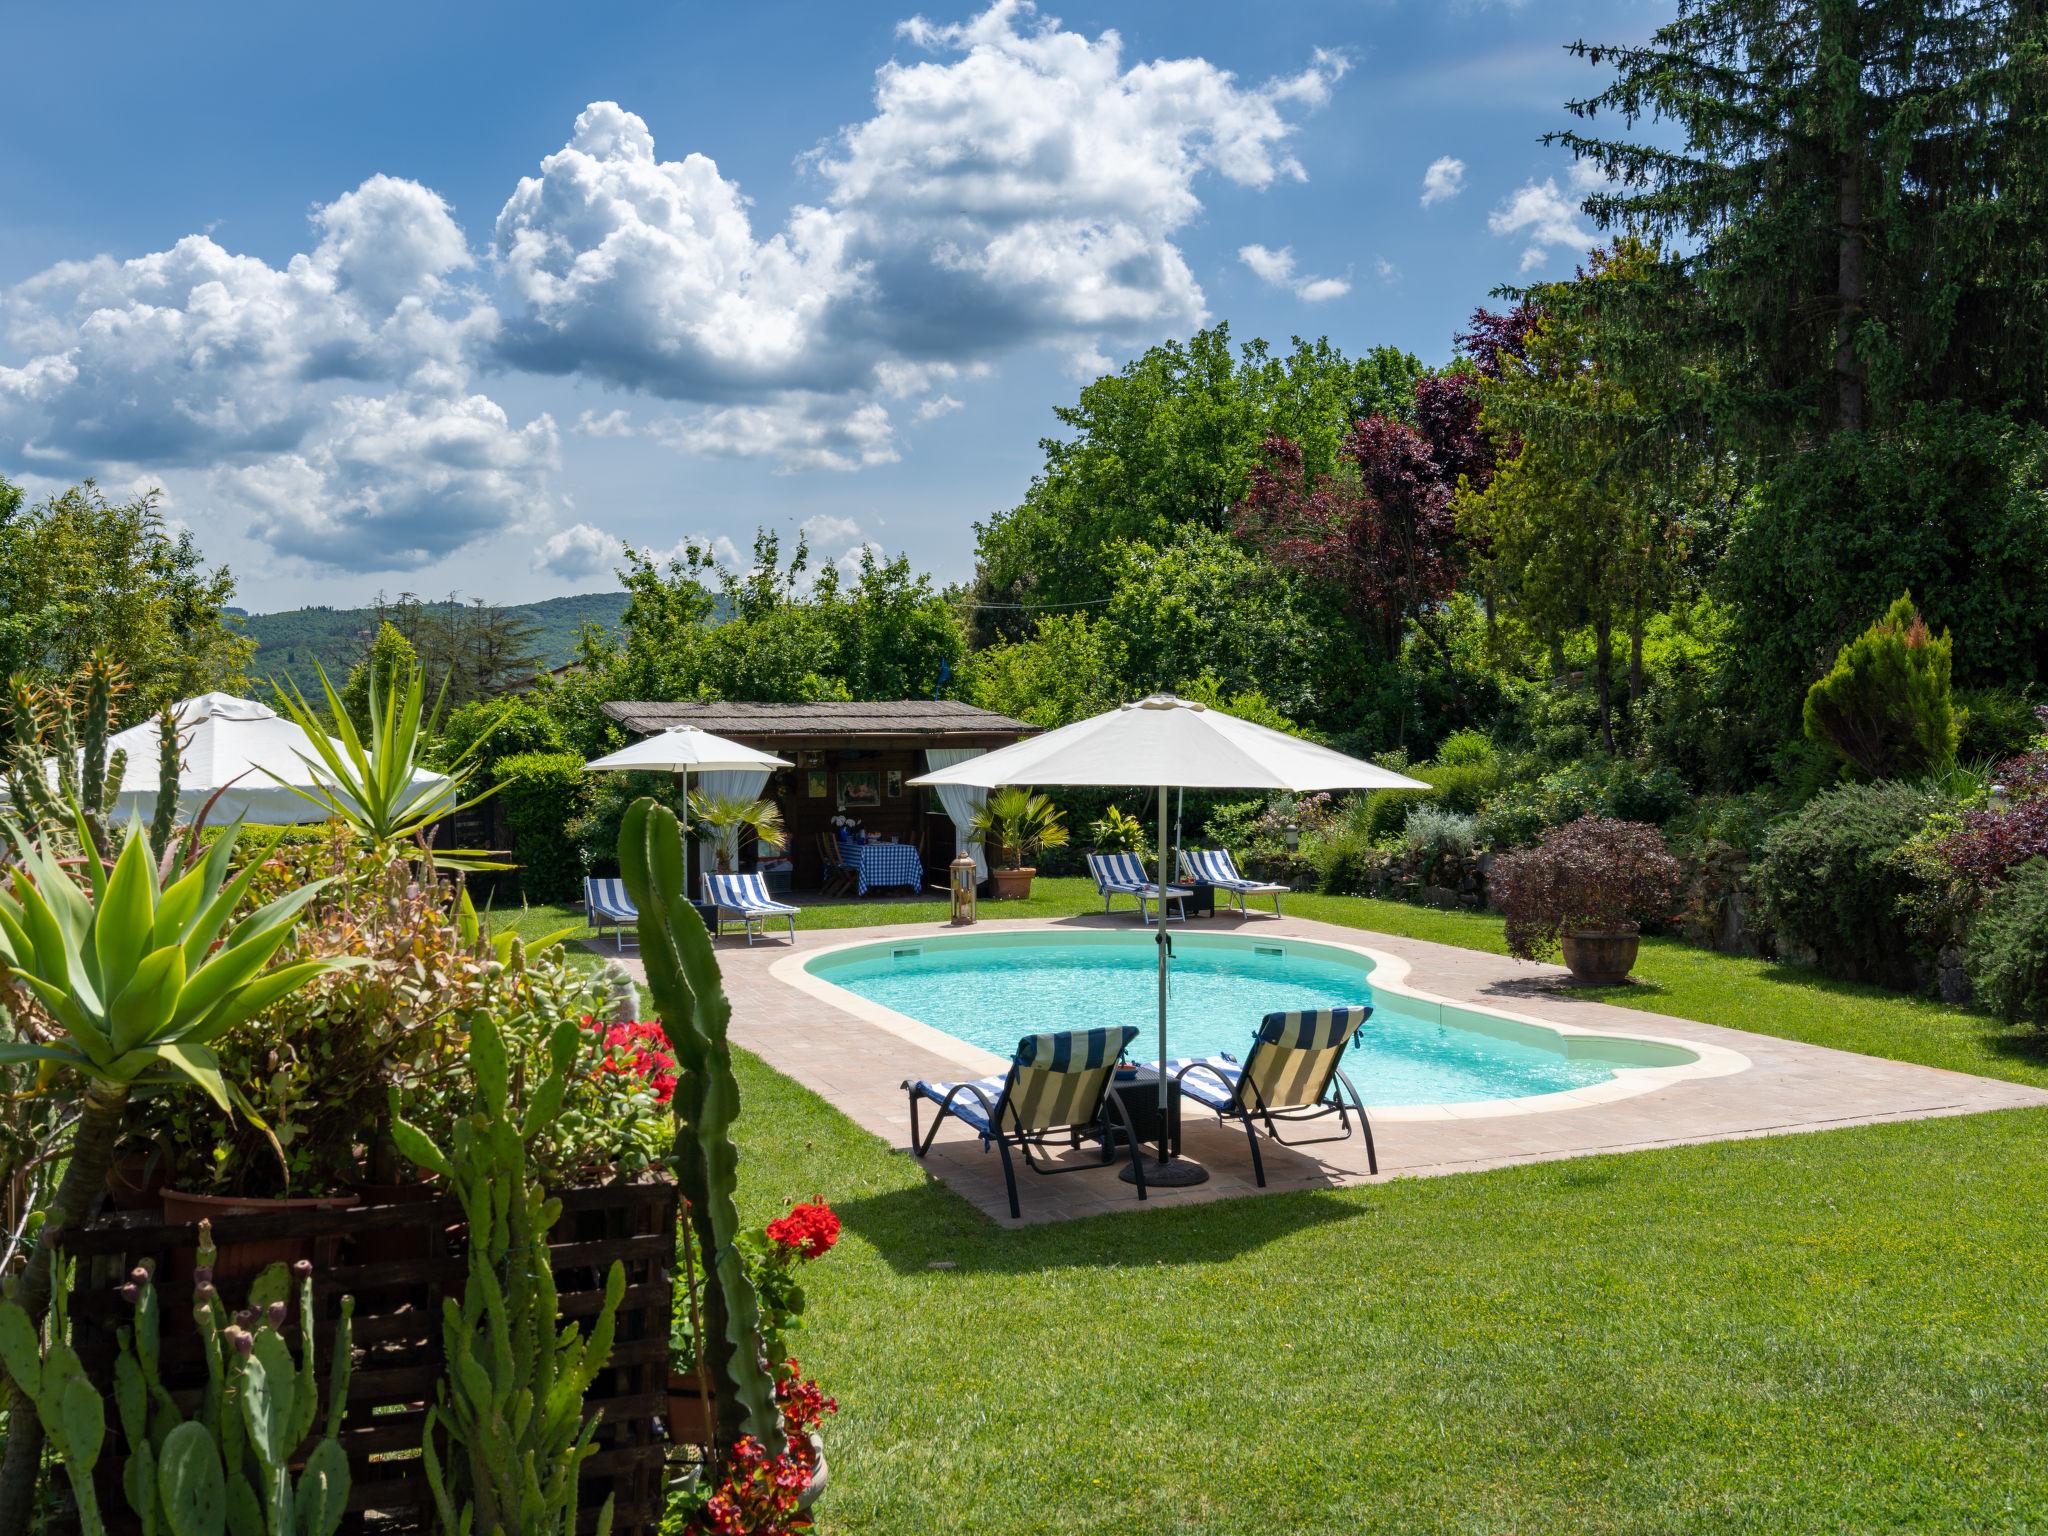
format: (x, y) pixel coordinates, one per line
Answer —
(1014, 183)
(397, 481)
(1276, 268)
(615, 423)
(797, 430)
(575, 552)
(1444, 179)
(824, 528)
(1544, 217)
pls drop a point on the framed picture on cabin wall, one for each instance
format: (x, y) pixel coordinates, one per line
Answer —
(894, 781)
(860, 789)
(816, 786)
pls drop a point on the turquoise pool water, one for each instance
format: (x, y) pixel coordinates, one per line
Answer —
(992, 990)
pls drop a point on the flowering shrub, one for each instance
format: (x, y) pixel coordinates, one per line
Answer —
(759, 1494)
(1592, 876)
(809, 1229)
(774, 1254)
(639, 1050)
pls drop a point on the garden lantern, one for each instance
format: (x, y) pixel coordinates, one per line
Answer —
(964, 877)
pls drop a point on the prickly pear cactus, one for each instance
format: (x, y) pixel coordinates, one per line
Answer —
(507, 1436)
(229, 1469)
(689, 997)
(74, 1418)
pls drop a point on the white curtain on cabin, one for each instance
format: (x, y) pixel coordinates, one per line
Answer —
(959, 801)
(727, 784)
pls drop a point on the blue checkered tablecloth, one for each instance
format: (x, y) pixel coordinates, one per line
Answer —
(888, 864)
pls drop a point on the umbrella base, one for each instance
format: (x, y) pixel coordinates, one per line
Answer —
(1169, 1175)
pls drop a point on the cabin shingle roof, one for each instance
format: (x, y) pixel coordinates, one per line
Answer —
(923, 719)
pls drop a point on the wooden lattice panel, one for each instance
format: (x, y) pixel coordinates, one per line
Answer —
(398, 1261)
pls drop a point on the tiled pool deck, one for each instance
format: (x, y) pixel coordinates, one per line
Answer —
(857, 1063)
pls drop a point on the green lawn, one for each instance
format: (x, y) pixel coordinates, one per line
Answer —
(1842, 1332)
(1845, 1332)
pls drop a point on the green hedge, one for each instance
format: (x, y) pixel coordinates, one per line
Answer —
(541, 795)
(1836, 879)
(2009, 949)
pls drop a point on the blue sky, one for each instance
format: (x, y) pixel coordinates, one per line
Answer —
(456, 297)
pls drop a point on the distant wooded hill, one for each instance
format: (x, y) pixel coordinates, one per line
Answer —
(289, 643)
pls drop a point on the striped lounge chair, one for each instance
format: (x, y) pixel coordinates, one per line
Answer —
(1123, 874)
(1215, 866)
(1291, 1073)
(745, 899)
(1057, 1085)
(609, 906)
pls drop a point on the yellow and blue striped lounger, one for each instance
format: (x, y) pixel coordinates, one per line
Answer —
(1057, 1085)
(1291, 1073)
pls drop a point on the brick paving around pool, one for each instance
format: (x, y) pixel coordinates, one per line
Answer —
(856, 1061)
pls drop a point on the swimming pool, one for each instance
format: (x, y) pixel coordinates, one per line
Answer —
(988, 989)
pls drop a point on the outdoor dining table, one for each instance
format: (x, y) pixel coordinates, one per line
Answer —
(886, 864)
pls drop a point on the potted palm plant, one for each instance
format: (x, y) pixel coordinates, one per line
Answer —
(1016, 825)
(1586, 889)
(723, 817)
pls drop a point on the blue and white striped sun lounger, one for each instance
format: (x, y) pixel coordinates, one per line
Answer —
(745, 898)
(1123, 874)
(1215, 866)
(1056, 1085)
(609, 906)
(1291, 1073)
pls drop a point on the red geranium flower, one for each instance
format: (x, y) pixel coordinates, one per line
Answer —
(810, 1229)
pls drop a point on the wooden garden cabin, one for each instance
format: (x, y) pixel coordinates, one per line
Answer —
(851, 758)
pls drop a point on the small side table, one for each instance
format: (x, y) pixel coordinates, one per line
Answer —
(1138, 1091)
(1201, 900)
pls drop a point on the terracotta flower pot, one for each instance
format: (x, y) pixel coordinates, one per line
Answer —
(689, 1411)
(135, 1181)
(236, 1259)
(1600, 959)
(1010, 884)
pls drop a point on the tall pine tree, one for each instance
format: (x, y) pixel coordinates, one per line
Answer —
(1857, 197)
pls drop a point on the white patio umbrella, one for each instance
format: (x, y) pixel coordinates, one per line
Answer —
(683, 750)
(1170, 743)
(237, 746)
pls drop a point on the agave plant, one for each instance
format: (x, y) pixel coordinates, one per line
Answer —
(1017, 824)
(382, 787)
(135, 979)
(726, 816)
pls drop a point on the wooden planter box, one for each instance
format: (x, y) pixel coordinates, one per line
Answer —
(397, 1329)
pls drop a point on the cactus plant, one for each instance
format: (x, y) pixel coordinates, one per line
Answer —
(68, 1405)
(507, 1435)
(135, 976)
(229, 1469)
(68, 729)
(689, 998)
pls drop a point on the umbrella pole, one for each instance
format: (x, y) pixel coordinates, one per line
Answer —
(1160, 912)
(1167, 1170)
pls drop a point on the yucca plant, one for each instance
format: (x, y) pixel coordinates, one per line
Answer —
(134, 979)
(374, 786)
(726, 816)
